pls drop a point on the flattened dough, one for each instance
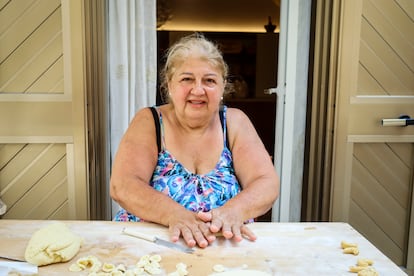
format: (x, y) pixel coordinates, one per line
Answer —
(241, 272)
(52, 244)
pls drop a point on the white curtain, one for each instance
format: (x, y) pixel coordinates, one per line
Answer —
(132, 64)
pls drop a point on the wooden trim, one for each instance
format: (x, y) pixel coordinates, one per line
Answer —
(410, 242)
(70, 161)
(98, 109)
(72, 12)
(382, 99)
(313, 184)
(67, 48)
(331, 110)
(36, 139)
(348, 52)
(380, 139)
(13, 97)
(317, 186)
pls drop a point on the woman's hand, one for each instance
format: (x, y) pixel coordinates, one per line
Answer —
(230, 224)
(193, 230)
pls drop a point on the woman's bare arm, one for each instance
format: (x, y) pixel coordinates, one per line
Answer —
(256, 174)
(132, 170)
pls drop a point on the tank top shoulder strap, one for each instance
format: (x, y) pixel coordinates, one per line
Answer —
(157, 126)
(222, 113)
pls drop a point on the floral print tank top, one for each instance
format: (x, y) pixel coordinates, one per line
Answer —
(196, 192)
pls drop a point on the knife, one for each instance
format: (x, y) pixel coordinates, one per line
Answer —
(157, 240)
(17, 266)
(12, 259)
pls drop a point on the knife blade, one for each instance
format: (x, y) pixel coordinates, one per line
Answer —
(157, 240)
(12, 259)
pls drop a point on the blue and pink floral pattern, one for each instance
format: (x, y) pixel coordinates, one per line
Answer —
(196, 192)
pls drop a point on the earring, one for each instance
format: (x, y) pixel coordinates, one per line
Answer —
(221, 98)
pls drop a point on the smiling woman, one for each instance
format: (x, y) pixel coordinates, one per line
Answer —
(193, 164)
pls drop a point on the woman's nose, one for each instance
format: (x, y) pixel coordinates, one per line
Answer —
(198, 88)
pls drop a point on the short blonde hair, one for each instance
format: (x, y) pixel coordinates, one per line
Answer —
(192, 45)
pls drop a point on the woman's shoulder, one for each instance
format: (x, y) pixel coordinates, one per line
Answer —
(238, 124)
(235, 115)
(145, 112)
(141, 115)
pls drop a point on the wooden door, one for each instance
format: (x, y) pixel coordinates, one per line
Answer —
(374, 164)
(42, 122)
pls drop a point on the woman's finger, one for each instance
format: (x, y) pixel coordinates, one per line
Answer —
(188, 236)
(245, 231)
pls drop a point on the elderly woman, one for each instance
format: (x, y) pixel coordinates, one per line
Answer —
(194, 165)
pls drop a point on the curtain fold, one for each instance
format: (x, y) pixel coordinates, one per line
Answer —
(132, 68)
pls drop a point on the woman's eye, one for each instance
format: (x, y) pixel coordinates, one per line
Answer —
(185, 80)
(211, 81)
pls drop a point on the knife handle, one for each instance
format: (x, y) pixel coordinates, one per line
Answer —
(138, 235)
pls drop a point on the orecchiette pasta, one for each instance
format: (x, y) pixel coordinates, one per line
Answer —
(351, 250)
(345, 244)
(365, 262)
(364, 267)
(181, 270)
(146, 265)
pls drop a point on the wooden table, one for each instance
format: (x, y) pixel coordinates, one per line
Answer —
(281, 248)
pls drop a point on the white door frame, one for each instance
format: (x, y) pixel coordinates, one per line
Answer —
(291, 106)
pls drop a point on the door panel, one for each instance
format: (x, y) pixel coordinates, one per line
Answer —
(373, 164)
(42, 124)
(380, 189)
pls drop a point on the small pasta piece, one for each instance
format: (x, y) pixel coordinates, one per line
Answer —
(145, 258)
(142, 263)
(86, 262)
(180, 266)
(219, 268)
(138, 270)
(121, 267)
(155, 258)
(365, 262)
(83, 263)
(96, 266)
(129, 272)
(107, 267)
(368, 271)
(356, 269)
(345, 244)
(75, 268)
(155, 264)
(90, 262)
(182, 271)
(351, 250)
(153, 270)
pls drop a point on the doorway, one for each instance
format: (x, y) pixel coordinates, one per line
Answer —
(252, 61)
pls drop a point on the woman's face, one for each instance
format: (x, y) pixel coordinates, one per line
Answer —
(196, 88)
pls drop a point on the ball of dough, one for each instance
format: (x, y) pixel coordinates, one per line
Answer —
(52, 244)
